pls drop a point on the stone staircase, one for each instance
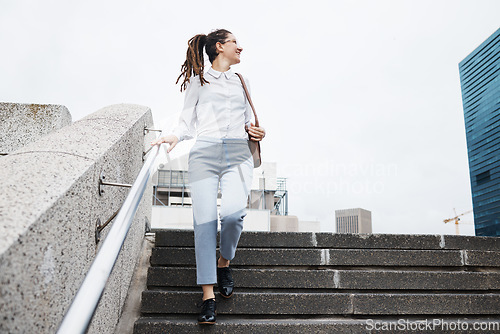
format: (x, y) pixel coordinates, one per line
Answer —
(331, 283)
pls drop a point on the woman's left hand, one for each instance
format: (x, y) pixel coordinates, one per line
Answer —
(256, 133)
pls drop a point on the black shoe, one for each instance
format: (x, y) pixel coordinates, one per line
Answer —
(208, 311)
(225, 282)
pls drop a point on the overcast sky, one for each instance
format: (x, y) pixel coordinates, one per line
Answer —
(361, 100)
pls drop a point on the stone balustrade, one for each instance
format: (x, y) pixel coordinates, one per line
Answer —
(49, 207)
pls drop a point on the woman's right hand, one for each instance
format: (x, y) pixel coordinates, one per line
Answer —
(171, 139)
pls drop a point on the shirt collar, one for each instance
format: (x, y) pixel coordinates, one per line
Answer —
(216, 74)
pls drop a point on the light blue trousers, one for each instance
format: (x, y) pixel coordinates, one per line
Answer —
(227, 162)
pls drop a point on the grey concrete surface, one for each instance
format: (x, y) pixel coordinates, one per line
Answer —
(318, 257)
(417, 280)
(248, 278)
(249, 326)
(249, 303)
(318, 303)
(426, 303)
(375, 241)
(396, 257)
(322, 325)
(471, 242)
(49, 206)
(183, 238)
(335, 279)
(482, 258)
(22, 123)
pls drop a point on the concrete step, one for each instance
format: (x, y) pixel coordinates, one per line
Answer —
(164, 256)
(335, 279)
(226, 324)
(330, 283)
(318, 303)
(146, 325)
(184, 238)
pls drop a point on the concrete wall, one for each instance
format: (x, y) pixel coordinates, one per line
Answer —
(309, 226)
(284, 223)
(265, 176)
(172, 217)
(49, 205)
(177, 217)
(21, 124)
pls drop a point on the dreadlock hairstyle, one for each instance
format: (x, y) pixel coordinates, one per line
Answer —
(194, 64)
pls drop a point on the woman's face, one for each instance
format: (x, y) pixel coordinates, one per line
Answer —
(231, 49)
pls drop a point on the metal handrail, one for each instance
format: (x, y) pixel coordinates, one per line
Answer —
(281, 206)
(82, 309)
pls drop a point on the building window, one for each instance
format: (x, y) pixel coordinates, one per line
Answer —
(483, 178)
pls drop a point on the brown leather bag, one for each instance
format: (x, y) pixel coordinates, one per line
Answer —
(254, 145)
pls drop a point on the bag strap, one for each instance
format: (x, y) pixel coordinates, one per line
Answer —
(249, 99)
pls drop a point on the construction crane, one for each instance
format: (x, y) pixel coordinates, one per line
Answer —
(456, 219)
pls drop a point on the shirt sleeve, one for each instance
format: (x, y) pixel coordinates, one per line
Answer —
(186, 128)
(248, 110)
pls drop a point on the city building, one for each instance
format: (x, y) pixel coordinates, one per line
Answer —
(480, 81)
(353, 221)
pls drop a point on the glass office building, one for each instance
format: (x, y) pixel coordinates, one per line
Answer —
(480, 81)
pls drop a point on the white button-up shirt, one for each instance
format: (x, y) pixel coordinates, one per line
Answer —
(219, 109)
